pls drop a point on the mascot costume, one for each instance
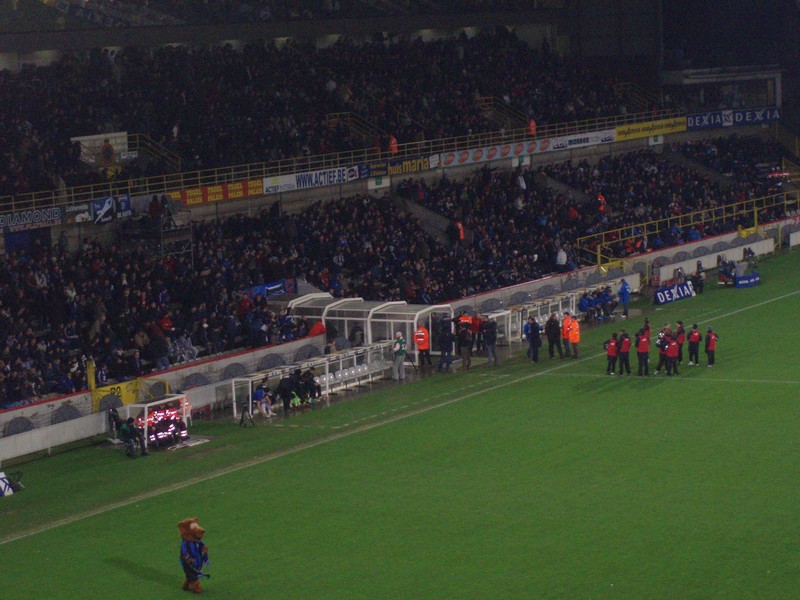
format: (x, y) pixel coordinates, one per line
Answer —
(194, 554)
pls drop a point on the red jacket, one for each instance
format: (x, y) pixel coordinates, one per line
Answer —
(643, 343)
(695, 337)
(673, 348)
(711, 341)
(625, 344)
(612, 348)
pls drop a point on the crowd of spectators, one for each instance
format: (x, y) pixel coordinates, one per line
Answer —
(27, 15)
(637, 187)
(133, 314)
(128, 313)
(220, 106)
(517, 225)
(238, 11)
(750, 160)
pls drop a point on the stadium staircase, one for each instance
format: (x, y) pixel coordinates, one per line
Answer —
(149, 149)
(359, 127)
(504, 115)
(434, 224)
(637, 98)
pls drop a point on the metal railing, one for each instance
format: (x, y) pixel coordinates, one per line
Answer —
(596, 248)
(643, 100)
(174, 182)
(139, 142)
(357, 124)
(509, 114)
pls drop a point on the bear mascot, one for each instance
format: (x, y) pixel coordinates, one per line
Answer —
(194, 554)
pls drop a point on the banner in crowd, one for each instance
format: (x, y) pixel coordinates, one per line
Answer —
(502, 151)
(124, 209)
(209, 194)
(635, 131)
(106, 210)
(32, 219)
(78, 213)
(312, 179)
(409, 166)
(276, 288)
(376, 169)
(673, 293)
(127, 391)
(732, 118)
(745, 281)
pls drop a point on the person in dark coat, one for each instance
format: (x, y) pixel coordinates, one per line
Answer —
(552, 329)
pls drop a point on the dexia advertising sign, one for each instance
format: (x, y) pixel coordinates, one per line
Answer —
(732, 118)
(673, 293)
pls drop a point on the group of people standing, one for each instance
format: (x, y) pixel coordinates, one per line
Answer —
(563, 336)
(470, 332)
(669, 343)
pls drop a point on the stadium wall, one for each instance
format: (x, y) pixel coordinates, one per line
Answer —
(44, 412)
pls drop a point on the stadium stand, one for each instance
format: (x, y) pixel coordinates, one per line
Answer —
(219, 106)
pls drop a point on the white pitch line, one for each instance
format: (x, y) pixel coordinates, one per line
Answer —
(337, 436)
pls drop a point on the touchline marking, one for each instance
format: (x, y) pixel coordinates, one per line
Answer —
(326, 440)
(681, 378)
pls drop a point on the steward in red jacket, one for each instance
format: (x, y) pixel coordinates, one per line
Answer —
(695, 338)
(624, 352)
(612, 351)
(643, 352)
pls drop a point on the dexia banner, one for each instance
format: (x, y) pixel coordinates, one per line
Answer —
(311, 179)
(747, 280)
(732, 118)
(673, 293)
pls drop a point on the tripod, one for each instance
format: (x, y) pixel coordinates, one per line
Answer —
(246, 416)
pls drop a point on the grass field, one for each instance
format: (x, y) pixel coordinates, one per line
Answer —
(546, 481)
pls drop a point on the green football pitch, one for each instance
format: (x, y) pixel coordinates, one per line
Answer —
(525, 481)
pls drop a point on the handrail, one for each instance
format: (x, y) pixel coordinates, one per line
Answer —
(143, 143)
(594, 245)
(496, 105)
(356, 122)
(643, 98)
(174, 182)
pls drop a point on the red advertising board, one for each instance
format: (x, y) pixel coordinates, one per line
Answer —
(222, 192)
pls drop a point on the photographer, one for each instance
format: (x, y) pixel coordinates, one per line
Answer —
(130, 436)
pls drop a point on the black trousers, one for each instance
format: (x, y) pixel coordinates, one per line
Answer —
(710, 354)
(553, 345)
(672, 366)
(612, 365)
(625, 362)
(425, 355)
(662, 361)
(694, 352)
(566, 347)
(644, 362)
